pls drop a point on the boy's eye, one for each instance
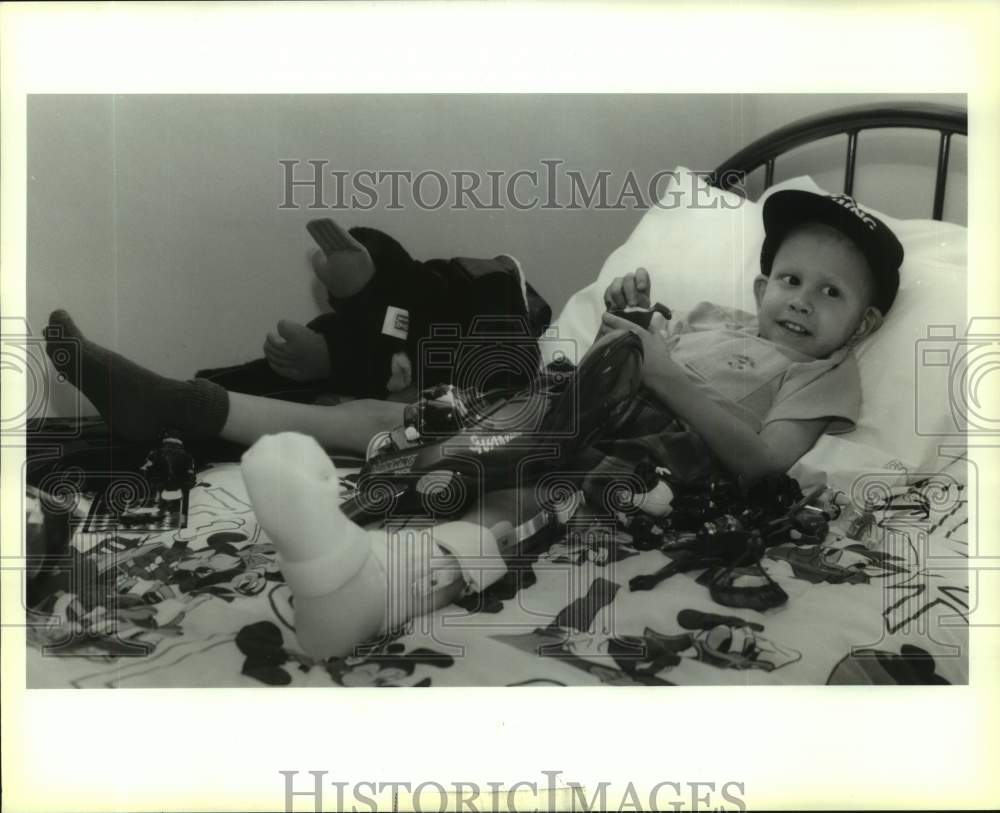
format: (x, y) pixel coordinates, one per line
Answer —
(832, 291)
(790, 279)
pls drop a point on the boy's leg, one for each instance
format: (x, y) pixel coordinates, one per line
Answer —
(346, 427)
(137, 403)
(350, 584)
(257, 378)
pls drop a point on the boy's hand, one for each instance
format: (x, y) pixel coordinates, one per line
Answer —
(632, 290)
(298, 353)
(657, 364)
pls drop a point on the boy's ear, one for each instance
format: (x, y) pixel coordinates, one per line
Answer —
(871, 320)
(759, 286)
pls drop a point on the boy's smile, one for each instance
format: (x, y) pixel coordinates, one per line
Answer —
(818, 296)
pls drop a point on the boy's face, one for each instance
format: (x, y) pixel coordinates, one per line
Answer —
(818, 297)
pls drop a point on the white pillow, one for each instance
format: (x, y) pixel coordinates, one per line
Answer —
(701, 243)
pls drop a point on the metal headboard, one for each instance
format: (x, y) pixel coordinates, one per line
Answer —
(946, 119)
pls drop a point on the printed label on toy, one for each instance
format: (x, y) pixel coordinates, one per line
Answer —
(486, 443)
(393, 464)
(396, 322)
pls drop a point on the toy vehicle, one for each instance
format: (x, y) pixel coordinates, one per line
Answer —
(458, 444)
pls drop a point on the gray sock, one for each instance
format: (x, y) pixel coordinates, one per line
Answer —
(136, 403)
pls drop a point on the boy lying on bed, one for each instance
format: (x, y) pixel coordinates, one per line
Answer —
(757, 395)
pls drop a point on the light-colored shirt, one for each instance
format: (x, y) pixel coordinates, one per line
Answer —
(760, 381)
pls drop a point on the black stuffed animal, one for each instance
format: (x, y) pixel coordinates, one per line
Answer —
(464, 321)
(458, 321)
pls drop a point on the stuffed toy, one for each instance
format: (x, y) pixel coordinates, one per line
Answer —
(455, 321)
(409, 323)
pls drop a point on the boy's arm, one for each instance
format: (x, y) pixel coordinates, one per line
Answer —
(736, 445)
(741, 450)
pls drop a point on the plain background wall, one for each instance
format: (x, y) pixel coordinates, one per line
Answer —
(155, 219)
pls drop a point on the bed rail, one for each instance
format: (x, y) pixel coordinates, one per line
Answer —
(946, 119)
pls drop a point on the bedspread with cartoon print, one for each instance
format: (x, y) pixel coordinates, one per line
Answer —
(202, 603)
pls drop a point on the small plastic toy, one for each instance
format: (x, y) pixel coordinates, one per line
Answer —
(169, 467)
(697, 551)
(643, 317)
(717, 525)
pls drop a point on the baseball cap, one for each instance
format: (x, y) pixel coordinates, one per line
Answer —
(785, 210)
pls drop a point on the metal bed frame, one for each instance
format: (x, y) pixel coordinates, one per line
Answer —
(946, 119)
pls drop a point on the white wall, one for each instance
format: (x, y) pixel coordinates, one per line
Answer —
(155, 219)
